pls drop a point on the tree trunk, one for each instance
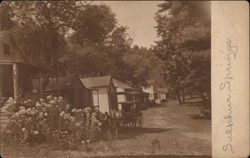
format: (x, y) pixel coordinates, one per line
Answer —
(183, 96)
(178, 96)
(203, 97)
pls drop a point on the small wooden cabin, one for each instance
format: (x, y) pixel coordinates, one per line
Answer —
(103, 92)
(151, 90)
(71, 89)
(122, 90)
(162, 95)
(16, 70)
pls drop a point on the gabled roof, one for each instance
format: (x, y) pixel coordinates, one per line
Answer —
(66, 82)
(120, 84)
(17, 53)
(93, 82)
(162, 90)
(151, 82)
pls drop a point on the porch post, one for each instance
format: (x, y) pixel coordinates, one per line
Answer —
(15, 80)
(1, 81)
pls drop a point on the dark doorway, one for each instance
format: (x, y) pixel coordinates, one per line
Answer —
(6, 80)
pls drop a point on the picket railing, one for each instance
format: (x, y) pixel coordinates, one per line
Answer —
(4, 120)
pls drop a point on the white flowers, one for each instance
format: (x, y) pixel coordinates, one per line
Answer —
(42, 100)
(38, 104)
(67, 107)
(60, 99)
(99, 123)
(50, 97)
(35, 132)
(73, 110)
(37, 118)
(62, 113)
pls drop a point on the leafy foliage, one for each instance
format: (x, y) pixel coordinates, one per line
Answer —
(75, 37)
(184, 47)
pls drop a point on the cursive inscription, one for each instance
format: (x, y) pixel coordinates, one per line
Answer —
(225, 86)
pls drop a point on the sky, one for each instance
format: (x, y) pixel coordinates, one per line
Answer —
(138, 16)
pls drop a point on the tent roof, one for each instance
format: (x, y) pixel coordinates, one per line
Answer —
(93, 82)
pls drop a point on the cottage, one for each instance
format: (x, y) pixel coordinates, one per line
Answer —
(162, 95)
(123, 95)
(71, 89)
(103, 92)
(151, 90)
(16, 71)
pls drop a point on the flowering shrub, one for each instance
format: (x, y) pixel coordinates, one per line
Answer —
(51, 120)
(12, 105)
(2, 101)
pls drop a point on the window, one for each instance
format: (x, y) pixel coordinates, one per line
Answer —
(6, 49)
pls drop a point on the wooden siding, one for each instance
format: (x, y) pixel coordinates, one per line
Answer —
(16, 54)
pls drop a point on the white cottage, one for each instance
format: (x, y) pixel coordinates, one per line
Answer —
(162, 95)
(103, 92)
(151, 90)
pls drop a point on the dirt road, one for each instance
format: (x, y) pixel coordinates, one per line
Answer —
(169, 129)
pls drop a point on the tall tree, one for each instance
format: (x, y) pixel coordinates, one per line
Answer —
(40, 28)
(184, 45)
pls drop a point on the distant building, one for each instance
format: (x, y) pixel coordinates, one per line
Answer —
(103, 92)
(151, 90)
(16, 71)
(162, 95)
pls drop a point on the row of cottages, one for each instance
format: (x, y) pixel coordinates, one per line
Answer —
(18, 76)
(99, 92)
(16, 70)
(156, 95)
(129, 97)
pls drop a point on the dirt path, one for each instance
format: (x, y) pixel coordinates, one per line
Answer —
(168, 129)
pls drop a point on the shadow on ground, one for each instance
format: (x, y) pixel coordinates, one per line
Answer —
(193, 103)
(128, 133)
(198, 117)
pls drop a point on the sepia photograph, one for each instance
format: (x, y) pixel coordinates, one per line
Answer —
(105, 79)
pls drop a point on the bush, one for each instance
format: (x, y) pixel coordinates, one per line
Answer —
(52, 121)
